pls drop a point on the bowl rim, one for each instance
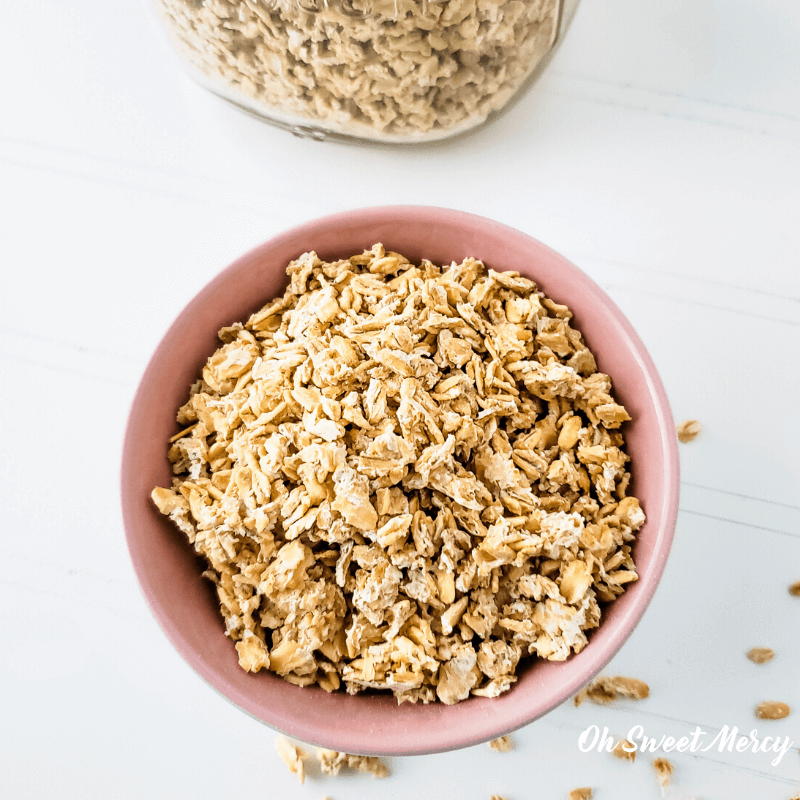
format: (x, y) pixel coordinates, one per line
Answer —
(488, 726)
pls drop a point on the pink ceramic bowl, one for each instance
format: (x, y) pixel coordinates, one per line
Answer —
(183, 601)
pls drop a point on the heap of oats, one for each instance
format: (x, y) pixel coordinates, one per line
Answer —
(405, 477)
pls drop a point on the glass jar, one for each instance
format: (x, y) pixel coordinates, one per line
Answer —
(382, 70)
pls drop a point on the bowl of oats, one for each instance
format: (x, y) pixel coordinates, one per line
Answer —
(400, 480)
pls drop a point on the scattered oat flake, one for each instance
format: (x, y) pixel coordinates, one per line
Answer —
(794, 589)
(585, 793)
(497, 797)
(292, 756)
(760, 655)
(688, 430)
(625, 750)
(331, 762)
(501, 745)
(606, 688)
(772, 710)
(664, 770)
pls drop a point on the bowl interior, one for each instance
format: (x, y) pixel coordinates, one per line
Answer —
(170, 574)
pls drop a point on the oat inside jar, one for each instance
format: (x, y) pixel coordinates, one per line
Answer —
(385, 70)
(405, 477)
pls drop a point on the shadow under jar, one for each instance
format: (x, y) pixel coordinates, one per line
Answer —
(395, 71)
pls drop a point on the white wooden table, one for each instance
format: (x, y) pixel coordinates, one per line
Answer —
(660, 152)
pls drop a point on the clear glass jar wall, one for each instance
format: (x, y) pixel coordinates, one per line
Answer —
(386, 70)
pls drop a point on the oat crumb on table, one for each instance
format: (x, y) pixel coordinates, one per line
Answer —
(584, 793)
(502, 744)
(760, 655)
(606, 688)
(292, 756)
(688, 430)
(794, 589)
(772, 710)
(625, 750)
(332, 761)
(664, 770)
(497, 797)
(405, 477)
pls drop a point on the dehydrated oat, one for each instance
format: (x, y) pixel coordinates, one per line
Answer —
(293, 756)
(760, 655)
(689, 429)
(584, 793)
(382, 69)
(331, 762)
(502, 744)
(664, 770)
(606, 688)
(384, 472)
(794, 589)
(625, 750)
(772, 710)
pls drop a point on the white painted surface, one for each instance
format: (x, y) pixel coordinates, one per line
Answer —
(661, 152)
